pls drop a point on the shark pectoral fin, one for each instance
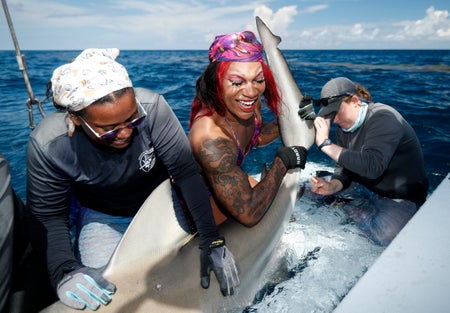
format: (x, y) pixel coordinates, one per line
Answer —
(301, 191)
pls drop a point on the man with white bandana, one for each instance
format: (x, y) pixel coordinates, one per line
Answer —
(93, 163)
(376, 148)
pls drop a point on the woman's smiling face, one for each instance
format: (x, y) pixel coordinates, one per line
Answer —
(243, 85)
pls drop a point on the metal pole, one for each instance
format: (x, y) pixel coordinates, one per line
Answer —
(23, 67)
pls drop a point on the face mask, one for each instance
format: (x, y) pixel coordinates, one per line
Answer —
(359, 120)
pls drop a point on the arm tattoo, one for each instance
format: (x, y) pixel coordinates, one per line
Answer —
(230, 185)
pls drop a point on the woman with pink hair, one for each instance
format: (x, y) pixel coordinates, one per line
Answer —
(226, 123)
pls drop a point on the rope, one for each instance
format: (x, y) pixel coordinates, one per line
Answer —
(23, 67)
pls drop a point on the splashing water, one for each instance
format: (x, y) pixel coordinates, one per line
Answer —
(319, 259)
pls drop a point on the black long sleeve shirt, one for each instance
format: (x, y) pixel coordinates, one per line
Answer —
(384, 155)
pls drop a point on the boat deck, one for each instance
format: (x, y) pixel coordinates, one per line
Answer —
(413, 273)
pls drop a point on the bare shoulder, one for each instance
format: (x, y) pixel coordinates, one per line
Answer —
(207, 128)
(204, 128)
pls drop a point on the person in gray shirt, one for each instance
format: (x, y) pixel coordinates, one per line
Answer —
(93, 163)
(376, 148)
(6, 232)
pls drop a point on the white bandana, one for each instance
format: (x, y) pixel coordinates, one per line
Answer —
(92, 75)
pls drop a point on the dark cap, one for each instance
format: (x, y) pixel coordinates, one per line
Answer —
(332, 94)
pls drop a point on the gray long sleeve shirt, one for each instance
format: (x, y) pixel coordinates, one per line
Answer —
(384, 155)
(109, 180)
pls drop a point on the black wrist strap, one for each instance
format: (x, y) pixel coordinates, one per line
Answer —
(326, 142)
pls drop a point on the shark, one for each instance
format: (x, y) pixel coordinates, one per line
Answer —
(156, 264)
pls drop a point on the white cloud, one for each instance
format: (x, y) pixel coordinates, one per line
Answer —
(279, 21)
(315, 8)
(435, 25)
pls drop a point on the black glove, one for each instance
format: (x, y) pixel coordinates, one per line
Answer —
(218, 258)
(306, 110)
(85, 287)
(293, 156)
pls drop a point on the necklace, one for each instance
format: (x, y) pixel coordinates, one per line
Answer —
(233, 132)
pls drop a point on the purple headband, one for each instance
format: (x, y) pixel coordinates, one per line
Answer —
(237, 47)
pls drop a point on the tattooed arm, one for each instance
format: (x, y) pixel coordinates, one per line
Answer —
(217, 155)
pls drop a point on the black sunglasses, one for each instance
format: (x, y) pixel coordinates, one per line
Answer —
(326, 101)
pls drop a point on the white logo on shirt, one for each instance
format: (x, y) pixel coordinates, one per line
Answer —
(147, 160)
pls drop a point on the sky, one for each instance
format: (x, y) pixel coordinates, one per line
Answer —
(192, 24)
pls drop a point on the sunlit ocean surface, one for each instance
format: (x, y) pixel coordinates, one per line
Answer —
(321, 255)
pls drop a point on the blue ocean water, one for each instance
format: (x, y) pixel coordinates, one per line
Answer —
(415, 82)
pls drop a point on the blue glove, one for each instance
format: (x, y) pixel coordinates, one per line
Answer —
(220, 260)
(85, 287)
